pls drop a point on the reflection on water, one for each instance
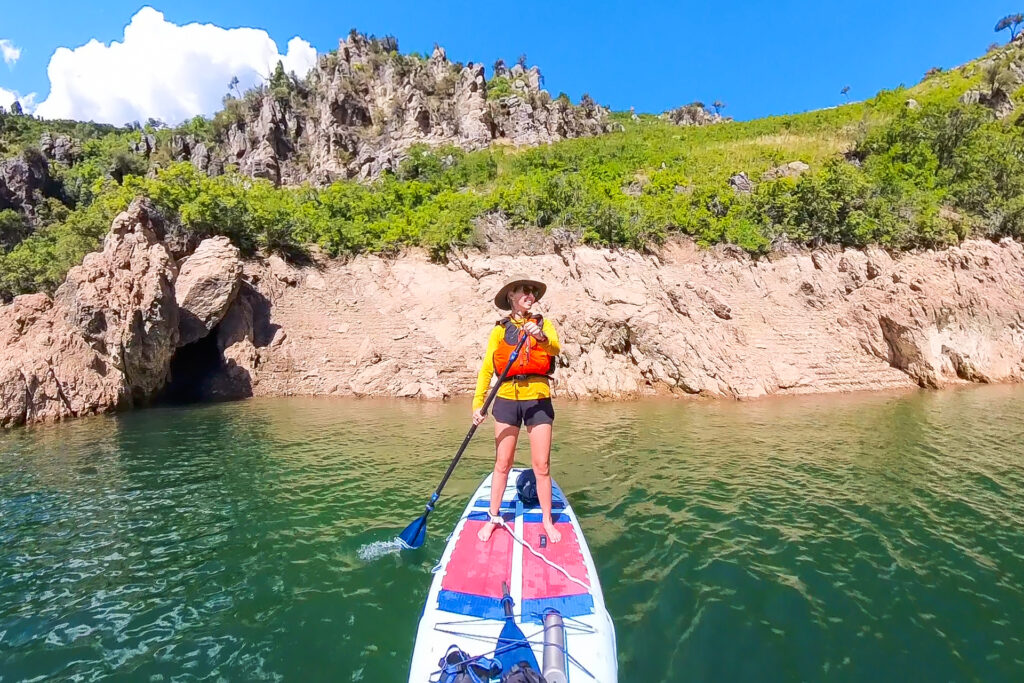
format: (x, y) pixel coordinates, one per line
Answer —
(868, 536)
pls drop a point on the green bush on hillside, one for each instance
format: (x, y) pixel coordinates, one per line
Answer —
(498, 87)
(13, 229)
(881, 173)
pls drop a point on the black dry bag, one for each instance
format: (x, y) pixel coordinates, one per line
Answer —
(526, 485)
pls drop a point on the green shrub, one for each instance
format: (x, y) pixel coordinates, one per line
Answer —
(498, 87)
(199, 127)
(13, 229)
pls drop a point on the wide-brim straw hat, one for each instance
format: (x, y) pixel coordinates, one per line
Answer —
(501, 298)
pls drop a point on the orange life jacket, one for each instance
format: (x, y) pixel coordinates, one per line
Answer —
(533, 360)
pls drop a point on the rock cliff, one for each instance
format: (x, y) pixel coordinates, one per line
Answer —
(133, 319)
(107, 337)
(24, 181)
(364, 106)
(687, 321)
(695, 114)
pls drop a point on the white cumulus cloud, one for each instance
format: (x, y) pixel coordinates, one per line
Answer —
(163, 70)
(10, 53)
(8, 97)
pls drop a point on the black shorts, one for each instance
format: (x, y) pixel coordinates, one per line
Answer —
(535, 412)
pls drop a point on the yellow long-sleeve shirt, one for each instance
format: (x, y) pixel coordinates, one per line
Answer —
(515, 390)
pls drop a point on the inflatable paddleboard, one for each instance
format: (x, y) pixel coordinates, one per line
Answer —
(482, 591)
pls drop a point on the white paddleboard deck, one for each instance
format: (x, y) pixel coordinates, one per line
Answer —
(464, 607)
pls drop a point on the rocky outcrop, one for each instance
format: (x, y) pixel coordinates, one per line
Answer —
(996, 99)
(365, 105)
(60, 148)
(106, 338)
(24, 181)
(102, 340)
(145, 145)
(120, 301)
(1002, 74)
(206, 285)
(793, 169)
(741, 184)
(694, 114)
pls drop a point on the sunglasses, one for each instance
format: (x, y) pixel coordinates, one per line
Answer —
(529, 289)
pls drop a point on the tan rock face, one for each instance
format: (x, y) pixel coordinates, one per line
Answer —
(207, 283)
(121, 299)
(106, 338)
(689, 321)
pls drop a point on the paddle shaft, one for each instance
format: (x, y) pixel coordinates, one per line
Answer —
(487, 404)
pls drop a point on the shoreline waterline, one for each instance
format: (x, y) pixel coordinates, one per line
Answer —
(661, 395)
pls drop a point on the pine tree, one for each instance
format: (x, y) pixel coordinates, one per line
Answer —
(1010, 21)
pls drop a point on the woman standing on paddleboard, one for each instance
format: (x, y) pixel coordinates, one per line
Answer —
(524, 397)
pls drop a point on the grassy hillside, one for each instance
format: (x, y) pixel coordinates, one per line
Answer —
(880, 173)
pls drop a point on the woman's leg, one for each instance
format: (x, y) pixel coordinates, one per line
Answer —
(505, 437)
(540, 455)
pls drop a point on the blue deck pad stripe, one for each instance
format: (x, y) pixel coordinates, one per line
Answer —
(511, 504)
(537, 518)
(567, 605)
(471, 605)
(556, 494)
(508, 516)
(486, 502)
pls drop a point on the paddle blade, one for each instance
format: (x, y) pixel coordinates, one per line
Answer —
(513, 648)
(415, 533)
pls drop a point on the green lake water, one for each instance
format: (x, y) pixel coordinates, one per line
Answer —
(865, 537)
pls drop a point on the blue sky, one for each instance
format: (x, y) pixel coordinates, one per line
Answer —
(761, 58)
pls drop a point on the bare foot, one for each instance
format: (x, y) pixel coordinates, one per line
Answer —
(486, 530)
(554, 535)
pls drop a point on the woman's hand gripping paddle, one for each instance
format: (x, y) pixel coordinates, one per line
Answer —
(416, 533)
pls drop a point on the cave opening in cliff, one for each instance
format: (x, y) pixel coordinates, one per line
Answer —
(193, 369)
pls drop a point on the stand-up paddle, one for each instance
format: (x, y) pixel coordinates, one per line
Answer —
(416, 533)
(512, 647)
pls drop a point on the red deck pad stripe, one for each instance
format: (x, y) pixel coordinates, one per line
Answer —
(542, 581)
(478, 568)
